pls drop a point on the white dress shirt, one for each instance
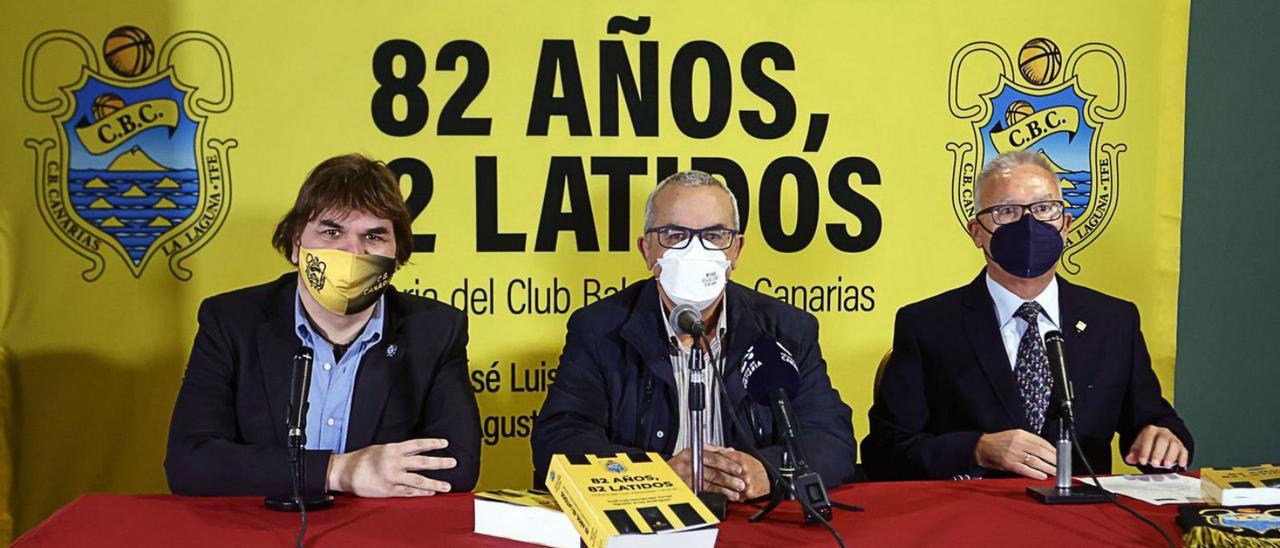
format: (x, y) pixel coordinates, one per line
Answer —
(681, 361)
(1011, 326)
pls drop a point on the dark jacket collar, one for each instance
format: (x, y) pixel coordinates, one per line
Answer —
(278, 341)
(983, 331)
(644, 329)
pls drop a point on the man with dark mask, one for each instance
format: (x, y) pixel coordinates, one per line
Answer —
(391, 411)
(965, 392)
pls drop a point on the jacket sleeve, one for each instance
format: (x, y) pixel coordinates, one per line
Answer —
(1143, 405)
(826, 427)
(898, 447)
(204, 456)
(575, 415)
(451, 413)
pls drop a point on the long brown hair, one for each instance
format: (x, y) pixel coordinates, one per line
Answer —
(351, 182)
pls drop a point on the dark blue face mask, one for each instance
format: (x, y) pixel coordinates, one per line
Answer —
(1027, 248)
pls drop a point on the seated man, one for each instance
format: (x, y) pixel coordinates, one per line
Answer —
(391, 411)
(966, 390)
(622, 384)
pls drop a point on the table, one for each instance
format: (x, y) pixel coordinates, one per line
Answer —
(956, 513)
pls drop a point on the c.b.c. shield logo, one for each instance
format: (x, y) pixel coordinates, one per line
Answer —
(129, 169)
(1041, 106)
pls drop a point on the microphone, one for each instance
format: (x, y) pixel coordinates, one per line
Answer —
(687, 320)
(296, 421)
(1062, 492)
(771, 377)
(1063, 393)
(299, 389)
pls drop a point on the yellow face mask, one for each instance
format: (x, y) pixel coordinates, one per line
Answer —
(342, 282)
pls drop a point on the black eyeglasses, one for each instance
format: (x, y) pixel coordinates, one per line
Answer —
(1003, 214)
(678, 237)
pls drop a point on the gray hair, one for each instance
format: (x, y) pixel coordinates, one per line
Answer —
(688, 179)
(1001, 165)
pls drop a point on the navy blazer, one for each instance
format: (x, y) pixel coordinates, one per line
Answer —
(228, 433)
(948, 381)
(615, 390)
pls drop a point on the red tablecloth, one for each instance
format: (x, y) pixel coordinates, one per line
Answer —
(960, 513)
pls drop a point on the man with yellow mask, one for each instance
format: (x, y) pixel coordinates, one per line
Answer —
(391, 411)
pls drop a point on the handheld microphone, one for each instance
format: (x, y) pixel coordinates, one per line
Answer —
(299, 389)
(771, 377)
(1063, 393)
(687, 320)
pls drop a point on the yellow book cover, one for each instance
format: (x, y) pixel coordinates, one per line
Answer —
(1241, 485)
(521, 497)
(628, 495)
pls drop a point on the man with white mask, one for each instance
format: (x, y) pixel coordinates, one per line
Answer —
(623, 381)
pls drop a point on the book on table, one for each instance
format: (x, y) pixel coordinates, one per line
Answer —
(526, 515)
(629, 499)
(1252, 485)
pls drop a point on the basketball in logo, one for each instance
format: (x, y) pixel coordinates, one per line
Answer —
(1016, 112)
(1039, 61)
(129, 51)
(105, 105)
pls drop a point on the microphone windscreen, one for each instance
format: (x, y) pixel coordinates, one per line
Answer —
(767, 366)
(1053, 345)
(686, 320)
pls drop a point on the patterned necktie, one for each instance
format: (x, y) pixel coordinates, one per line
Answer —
(1032, 368)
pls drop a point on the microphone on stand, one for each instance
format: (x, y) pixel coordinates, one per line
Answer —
(687, 320)
(296, 421)
(771, 377)
(1060, 405)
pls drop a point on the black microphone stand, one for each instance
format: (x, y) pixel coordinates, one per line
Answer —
(297, 421)
(716, 502)
(795, 477)
(771, 470)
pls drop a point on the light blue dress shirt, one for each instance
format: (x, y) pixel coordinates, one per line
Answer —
(333, 381)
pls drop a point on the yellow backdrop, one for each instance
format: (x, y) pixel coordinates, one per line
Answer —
(531, 134)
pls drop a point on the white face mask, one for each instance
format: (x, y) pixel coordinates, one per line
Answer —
(694, 275)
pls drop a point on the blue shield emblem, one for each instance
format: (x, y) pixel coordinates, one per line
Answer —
(130, 169)
(134, 176)
(1051, 124)
(1039, 105)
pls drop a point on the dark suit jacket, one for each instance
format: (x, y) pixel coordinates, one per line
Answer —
(948, 381)
(615, 391)
(228, 434)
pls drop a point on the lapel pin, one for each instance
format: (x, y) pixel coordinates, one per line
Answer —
(391, 351)
(1080, 327)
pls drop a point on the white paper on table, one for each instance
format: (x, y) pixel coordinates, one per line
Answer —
(1155, 489)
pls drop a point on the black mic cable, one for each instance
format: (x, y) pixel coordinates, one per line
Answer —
(1053, 347)
(1115, 499)
(769, 467)
(297, 497)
